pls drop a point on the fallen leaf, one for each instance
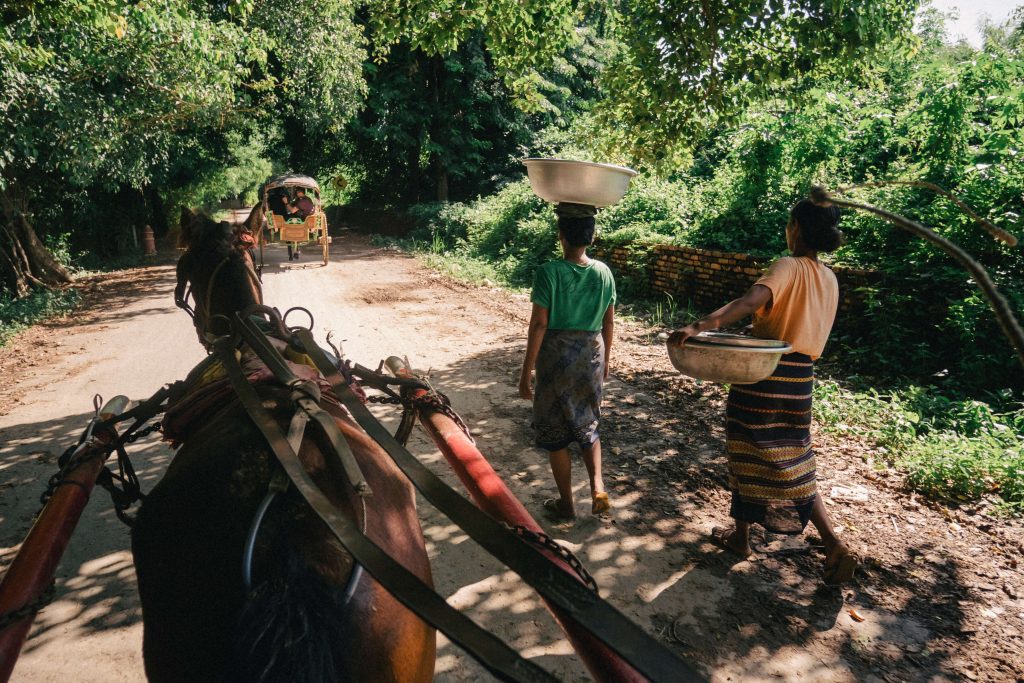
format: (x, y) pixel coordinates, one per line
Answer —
(855, 615)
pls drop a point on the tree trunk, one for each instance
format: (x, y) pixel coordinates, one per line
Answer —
(42, 263)
(13, 265)
(24, 260)
(437, 85)
(441, 176)
(157, 211)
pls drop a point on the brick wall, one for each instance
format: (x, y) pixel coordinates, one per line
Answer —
(710, 278)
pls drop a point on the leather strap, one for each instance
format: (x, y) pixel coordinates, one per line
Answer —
(497, 657)
(633, 644)
(306, 395)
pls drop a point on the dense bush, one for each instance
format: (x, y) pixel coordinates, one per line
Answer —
(954, 449)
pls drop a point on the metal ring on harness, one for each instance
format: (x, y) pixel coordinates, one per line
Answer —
(250, 545)
(284, 318)
(272, 314)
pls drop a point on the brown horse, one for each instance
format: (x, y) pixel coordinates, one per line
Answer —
(308, 614)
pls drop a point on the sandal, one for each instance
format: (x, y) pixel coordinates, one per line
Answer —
(842, 571)
(553, 508)
(720, 537)
(601, 503)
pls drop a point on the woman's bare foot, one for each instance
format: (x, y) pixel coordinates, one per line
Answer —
(840, 564)
(731, 540)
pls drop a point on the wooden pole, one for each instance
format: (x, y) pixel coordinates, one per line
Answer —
(492, 496)
(35, 565)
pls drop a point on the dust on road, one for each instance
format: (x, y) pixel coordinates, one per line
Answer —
(942, 602)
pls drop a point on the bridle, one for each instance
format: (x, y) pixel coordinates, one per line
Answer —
(201, 315)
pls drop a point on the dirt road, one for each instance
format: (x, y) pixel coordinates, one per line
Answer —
(940, 596)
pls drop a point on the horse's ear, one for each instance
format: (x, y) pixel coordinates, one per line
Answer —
(252, 223)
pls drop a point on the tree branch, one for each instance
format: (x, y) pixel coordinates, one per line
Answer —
(1004, 314)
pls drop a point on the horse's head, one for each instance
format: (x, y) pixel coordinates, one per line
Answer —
(216, 269)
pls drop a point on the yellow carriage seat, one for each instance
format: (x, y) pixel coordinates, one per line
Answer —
(278, 222)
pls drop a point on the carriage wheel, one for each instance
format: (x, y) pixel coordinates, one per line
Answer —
(326, 241)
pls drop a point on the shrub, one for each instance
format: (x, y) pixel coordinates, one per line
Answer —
(17, 314)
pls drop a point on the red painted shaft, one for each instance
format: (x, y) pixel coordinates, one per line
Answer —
(35, 565)
(492, 496)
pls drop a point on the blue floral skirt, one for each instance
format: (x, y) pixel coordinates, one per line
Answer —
(570, 379)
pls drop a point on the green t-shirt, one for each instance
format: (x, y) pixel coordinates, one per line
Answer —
(576, 296)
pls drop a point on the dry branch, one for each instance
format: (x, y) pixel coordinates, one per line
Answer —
(1004, 314)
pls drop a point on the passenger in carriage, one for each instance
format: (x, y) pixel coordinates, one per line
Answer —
(303, 204)
(278, 202)
(569, 343)
(291, 212)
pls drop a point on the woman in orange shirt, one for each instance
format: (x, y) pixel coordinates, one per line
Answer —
(772, 468)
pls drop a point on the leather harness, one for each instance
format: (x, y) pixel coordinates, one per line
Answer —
(643, 652)
(632, 643)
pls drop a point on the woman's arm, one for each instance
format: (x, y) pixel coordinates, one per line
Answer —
(534, 337)
(607, 332)
(734, 311)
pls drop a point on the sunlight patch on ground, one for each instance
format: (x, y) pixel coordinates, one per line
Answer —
(491, 593)
(649, 592)
(623, 547)
(559, 647)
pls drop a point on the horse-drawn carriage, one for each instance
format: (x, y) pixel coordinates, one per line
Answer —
(286, 221)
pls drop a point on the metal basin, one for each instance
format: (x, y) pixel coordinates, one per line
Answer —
(728, 358)
(579, 182)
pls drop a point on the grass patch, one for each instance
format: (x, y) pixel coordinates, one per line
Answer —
(17, 314)
(454, 263)
(955, 450)
(91, 264)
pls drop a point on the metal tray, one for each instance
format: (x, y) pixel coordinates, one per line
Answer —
(578, 182)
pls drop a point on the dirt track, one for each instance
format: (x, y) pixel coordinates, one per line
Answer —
(940, 595)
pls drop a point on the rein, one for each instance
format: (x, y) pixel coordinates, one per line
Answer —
(494, 654)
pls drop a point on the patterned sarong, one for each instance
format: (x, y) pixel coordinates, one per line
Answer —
(570, 379)
(771, 464)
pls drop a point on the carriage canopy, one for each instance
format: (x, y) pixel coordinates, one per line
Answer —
(291, 180)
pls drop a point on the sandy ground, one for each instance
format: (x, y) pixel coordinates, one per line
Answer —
(940, 594)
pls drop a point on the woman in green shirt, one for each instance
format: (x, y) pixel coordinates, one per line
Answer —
(569, 342)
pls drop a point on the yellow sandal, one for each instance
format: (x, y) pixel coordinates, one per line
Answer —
(601, 503)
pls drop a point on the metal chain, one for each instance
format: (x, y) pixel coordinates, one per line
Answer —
(438, 402)
(57, 479)
(383, 399)
(29, 609)
(132, 438)
(432, 400)
(542, 540)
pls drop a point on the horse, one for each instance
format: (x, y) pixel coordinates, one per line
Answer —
(216, 253)
(309, 613)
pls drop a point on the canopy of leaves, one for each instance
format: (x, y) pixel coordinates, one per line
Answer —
(87, 94)
(685, 65)
(519, 35)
